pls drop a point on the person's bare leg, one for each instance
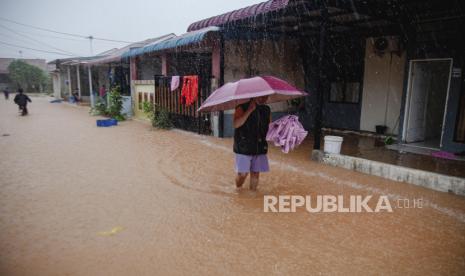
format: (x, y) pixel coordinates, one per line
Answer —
(240, 179)
(254, 180)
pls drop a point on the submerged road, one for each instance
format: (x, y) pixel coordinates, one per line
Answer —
(128, 200)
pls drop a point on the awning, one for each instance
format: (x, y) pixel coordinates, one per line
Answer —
(244, 13)
(174, 42)
(117, 55)
(75, 60)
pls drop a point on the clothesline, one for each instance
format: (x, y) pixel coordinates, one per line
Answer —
(189, 86)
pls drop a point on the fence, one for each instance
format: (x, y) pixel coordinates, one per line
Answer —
(182, 116)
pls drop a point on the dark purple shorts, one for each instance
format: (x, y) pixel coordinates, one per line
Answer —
(251, 163)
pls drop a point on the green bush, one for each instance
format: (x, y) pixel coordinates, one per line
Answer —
(115, 104)
(162, 118)
(100, 108)
(159, 117)
(149, 110)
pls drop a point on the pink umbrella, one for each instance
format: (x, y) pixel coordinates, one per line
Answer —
(234, 93)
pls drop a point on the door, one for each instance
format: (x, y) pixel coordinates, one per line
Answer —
(426, 101)
(416, 122)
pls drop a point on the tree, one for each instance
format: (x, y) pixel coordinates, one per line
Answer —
(28, 76)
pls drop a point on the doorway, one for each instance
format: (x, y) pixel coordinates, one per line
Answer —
(426, 102)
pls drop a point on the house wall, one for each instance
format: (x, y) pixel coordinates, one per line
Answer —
(279, 58)
(382, 89)
(148, 66)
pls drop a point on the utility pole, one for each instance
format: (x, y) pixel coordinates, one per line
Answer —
(90, 44)
(89, 71)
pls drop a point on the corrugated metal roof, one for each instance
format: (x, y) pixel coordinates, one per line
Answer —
(117, 55)
(247, 12)
(174, 42)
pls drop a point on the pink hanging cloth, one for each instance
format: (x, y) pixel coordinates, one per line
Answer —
(174, 82)
(286, 132)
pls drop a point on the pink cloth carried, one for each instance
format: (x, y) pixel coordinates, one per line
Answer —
(286, 132)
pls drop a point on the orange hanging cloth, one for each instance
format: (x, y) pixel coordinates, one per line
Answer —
(190, 89)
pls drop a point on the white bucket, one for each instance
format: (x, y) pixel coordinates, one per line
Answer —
(333, 144)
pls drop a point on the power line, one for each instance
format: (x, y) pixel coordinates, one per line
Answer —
(33, 49)
(37, 41)
(64, 33)
(17, 39)
(52, 36)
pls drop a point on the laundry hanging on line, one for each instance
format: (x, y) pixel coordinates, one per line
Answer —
(190, 90)
(286, 132)
(174, 82)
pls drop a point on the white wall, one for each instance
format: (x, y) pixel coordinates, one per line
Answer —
(382, 89)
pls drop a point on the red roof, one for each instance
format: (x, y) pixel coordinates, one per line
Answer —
(247, 12)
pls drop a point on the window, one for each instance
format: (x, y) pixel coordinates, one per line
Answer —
(344, 92)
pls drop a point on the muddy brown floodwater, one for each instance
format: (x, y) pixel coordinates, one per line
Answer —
(80, 200)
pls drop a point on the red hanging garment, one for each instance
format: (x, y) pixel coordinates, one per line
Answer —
(190, 89)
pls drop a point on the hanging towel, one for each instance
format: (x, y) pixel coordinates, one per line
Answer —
(286, 132)
(190, 89)
(174, 82)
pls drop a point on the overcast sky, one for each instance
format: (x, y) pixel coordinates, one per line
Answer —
(127, 20)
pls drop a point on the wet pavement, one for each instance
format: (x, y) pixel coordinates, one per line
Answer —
(128, 200)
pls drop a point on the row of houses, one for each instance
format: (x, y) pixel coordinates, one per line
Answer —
(368, 65)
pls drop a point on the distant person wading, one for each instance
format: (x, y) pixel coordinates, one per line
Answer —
(21, 100)
(6, 93)
(251, 122)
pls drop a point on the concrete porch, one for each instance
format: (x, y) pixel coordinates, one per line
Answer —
(373, 148)
(368, 154)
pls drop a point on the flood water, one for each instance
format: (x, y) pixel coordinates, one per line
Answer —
(128, 200)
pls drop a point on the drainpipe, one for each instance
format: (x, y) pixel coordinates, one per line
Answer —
(321, 79)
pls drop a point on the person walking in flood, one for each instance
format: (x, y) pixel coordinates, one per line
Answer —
(6, 93)
(251, 122)
(21, 100)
